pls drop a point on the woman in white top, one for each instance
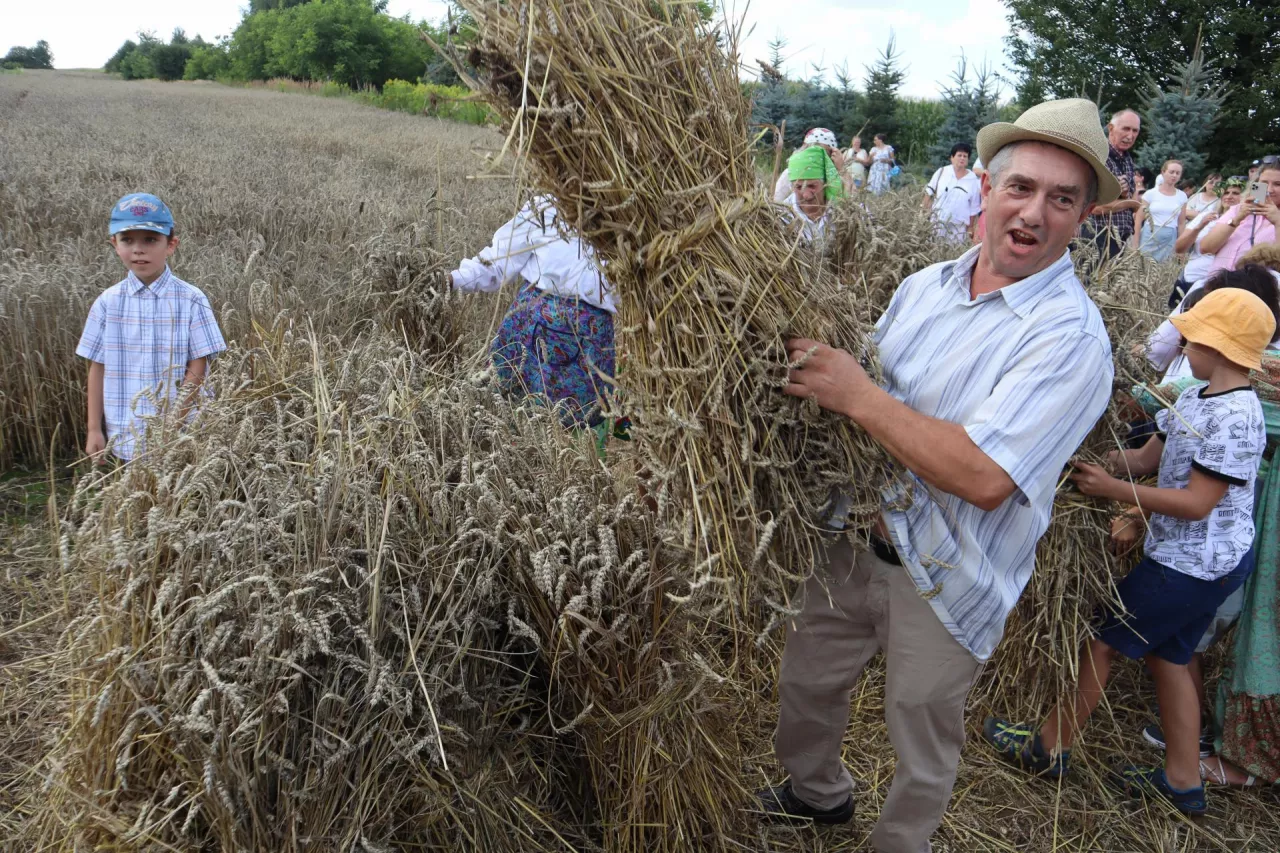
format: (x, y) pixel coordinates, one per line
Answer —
(1159, 221)
(1205, 199)
(556, 341)
(954, 196)
(881, 165)
(1199, 263)
(824, 139)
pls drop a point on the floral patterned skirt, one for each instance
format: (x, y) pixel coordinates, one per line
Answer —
(559, 349)
(1248, 706)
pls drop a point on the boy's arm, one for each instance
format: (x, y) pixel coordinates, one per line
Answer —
(1194, 503)
(96, 439)
(1137, 462)
(191, 380)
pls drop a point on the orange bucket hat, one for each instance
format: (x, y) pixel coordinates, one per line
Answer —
(1234, 322)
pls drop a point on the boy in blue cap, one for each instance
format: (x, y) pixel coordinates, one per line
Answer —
(148, 338)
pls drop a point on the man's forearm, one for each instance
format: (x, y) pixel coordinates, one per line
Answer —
(939, 452)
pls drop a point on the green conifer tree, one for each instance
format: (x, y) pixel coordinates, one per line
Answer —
(884, 78)
(1179, 120)
(971, 101)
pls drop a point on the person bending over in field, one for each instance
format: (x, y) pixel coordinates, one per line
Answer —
(556, 341)
(996, 367)
(1199, 550)
(148, 339)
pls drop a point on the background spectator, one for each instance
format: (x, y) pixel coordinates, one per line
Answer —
(1111, 225)
(1159, 221)
(954, 196)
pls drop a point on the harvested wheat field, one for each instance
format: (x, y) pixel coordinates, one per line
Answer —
(368, 603)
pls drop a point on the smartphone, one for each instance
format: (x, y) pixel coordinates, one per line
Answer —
(1257, 192)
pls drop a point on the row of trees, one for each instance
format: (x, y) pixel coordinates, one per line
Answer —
(29, 57)
(1138, 53)
(350, 42)
(921, 130)
(1184, 110)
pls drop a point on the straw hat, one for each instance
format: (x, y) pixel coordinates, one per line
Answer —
(1233, 321)
(1071, 123)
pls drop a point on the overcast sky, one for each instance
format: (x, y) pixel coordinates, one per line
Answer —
(931, 33)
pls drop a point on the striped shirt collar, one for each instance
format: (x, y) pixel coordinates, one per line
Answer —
(1021, 296)
(135, 286)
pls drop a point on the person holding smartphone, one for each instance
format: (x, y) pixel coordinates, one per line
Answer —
(1252, 222)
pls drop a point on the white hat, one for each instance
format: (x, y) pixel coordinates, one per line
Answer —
(821, 136)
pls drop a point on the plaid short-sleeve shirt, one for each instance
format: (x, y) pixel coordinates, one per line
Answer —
(144, 336)
(1120, 164)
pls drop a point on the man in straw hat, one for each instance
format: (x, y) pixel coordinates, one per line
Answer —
(996, 366)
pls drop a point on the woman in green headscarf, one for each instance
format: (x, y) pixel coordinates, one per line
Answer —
(815, 181)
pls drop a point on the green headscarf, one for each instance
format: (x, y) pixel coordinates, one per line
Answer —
(814, 164)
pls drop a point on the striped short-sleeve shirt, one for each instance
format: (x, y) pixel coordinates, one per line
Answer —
(1027, 371)
(144, 336)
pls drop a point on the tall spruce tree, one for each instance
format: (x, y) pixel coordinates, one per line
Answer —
(884, 79)
(1058, 47)
(1180, 119)
(970, 102)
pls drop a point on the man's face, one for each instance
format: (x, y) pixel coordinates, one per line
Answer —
(1034, 208)
(1122, 133)
(808, 192)
(960, 159)
(144, 252)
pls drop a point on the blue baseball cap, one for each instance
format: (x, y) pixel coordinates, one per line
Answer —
(141, 212)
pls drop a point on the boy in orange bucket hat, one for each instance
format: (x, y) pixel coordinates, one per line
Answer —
(1198, 549)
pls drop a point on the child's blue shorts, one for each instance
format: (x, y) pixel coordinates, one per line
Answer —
(1166, 611)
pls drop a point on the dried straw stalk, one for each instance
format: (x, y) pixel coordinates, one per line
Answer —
(632, 115)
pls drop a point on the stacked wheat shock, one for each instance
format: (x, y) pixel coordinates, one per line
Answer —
(633, 117)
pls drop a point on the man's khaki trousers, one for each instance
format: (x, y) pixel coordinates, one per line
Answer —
(851, 611)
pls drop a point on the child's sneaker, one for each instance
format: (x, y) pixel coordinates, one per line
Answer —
(1019, 744)
(1154, 735)
(1150, 782)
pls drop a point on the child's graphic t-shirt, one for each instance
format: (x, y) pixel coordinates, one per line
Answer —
(1222, 435)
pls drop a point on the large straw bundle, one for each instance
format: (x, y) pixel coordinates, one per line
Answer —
(633, 117)
(365, 605)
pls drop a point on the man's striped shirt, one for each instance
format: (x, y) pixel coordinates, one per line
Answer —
(1027, 371)
(144, 336)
